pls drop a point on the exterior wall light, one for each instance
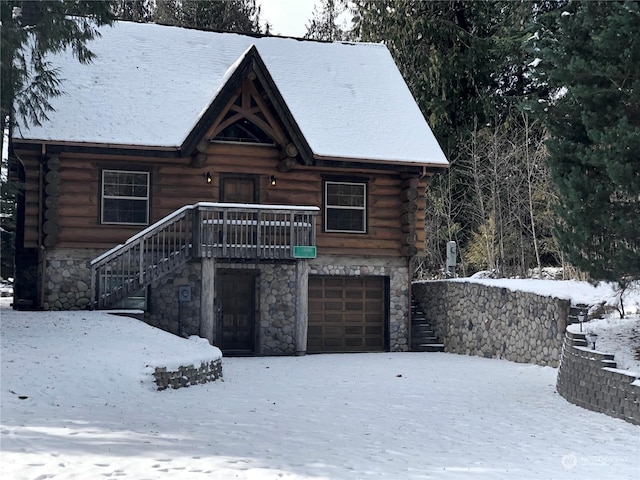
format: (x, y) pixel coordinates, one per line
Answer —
(208, 178)
(272, 180)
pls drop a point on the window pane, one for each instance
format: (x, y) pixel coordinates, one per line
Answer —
(125, 211)
(345, 220)
(345, 194)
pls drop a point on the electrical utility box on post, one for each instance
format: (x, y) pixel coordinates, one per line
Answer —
(452, 254)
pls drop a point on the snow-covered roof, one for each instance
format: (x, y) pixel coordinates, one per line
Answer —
(149, 85)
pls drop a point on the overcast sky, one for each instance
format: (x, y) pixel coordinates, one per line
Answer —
(287, 17)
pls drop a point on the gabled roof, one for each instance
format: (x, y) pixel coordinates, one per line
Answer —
(152, 86)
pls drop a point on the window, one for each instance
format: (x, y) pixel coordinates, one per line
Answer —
(125, 197)
(345, 207)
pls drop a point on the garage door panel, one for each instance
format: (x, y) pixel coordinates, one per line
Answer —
(333, 282)
(353, 330)
(376, 330)
(332, 293)
(373, 294)
(346, 314)
(352, 317)
(373, 342)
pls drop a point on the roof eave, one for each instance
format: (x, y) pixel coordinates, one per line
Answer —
(390, 164)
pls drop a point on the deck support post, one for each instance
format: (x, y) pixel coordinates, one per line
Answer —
(302, 306)
(207, 300)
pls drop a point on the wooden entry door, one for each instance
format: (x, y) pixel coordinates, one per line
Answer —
(238, 189)
(236, 311)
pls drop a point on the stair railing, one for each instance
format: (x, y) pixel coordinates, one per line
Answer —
(143, 258)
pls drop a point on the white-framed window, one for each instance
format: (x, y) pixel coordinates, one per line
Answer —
(125, 197)
(345, 207)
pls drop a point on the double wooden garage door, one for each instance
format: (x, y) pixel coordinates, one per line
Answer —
(346, 314)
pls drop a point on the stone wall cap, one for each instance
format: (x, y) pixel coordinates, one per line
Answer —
(630, 373)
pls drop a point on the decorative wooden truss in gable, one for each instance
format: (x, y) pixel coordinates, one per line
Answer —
(247, 104)
(250, 100)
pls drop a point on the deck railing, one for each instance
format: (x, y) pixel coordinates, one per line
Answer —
(218, 230)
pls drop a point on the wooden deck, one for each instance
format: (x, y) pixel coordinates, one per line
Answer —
(203, 230)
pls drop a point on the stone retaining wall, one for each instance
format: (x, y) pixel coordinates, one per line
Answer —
(589, 379)
(188, 375)
(494, 322)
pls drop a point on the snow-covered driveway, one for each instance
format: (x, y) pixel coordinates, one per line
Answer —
(90, 413)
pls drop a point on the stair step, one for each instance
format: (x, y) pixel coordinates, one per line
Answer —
(424, 339)
(429, 347)
(421, 326)
(419, 321)
(423, 336)
(434, 347)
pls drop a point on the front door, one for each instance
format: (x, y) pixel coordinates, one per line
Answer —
(238, 189)
(236, 311)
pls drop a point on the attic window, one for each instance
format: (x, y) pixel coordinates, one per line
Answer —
(244, 131)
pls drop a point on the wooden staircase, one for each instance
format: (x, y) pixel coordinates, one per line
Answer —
(423, 337)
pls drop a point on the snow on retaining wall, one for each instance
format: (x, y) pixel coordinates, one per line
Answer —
(494, 322)
(589, 379)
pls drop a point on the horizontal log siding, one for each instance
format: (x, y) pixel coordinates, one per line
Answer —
(31, 166)
(175, 184)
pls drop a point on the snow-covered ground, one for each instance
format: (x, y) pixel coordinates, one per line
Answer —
(78, 403)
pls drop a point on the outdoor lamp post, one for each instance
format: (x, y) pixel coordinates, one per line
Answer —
(581, 319)
(592, 337)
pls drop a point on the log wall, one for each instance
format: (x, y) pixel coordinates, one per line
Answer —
(175, 183)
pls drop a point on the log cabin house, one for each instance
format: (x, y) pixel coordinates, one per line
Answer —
(265, 193)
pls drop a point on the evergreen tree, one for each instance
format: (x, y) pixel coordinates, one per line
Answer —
(324, 23)
(29, 31)
(242, 16)
(590, 63)
(134, 10)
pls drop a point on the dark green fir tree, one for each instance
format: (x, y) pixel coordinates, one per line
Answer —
(589, 59)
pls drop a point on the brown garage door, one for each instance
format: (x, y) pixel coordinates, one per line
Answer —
(346, 314)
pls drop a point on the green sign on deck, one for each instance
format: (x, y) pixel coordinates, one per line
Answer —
(304, 251)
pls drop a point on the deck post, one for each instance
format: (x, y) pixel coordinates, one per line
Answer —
(302, 306)
(207, 298)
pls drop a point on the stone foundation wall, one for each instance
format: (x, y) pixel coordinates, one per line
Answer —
(589, 379)
(166, 311)
(494, 322)
(397, 270)
(276, 290)
(188, 375)
(277, 297)
(68, 278)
